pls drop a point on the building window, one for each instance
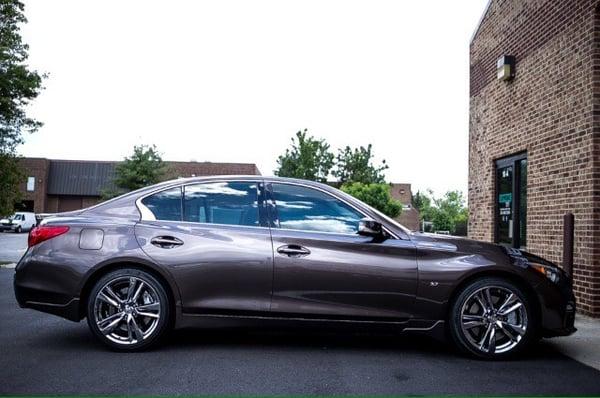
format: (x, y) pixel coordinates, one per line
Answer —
(511, 201)
(30, 184)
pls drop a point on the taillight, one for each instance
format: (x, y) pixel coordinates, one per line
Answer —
(45, 232)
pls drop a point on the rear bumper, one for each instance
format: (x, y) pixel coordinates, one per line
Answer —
(39, 300)
(51, 302)
(45, 301)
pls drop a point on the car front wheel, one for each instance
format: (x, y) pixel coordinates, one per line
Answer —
(492, 318)
(128, 310)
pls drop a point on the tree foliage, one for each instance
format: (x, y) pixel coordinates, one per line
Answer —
(356, 165)
(10, 178)
(144, 167)
(376, 195)
(447, 213)
(18, 86)
(308, 158)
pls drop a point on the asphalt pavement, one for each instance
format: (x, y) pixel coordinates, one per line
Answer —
(43, 354)
(12, 246)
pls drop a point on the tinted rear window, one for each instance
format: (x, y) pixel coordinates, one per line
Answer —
(230, 203)
(165, 205)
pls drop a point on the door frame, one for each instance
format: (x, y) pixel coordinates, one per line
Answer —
(512, 161)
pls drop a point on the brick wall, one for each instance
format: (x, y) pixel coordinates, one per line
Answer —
(37, 168)
(552, 111)
(409, 216)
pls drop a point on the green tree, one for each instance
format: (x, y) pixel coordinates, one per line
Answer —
(308, 158)
(356, 165)
(422, 201)
(451, 205)
(376, 195)
(144, 167)
(10, 178)
(18, 87)
(447, 213)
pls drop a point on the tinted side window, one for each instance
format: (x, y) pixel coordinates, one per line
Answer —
(312, 210)
(165, 205)
(232, 203)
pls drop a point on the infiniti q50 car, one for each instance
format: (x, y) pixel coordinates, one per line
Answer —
(191, 252)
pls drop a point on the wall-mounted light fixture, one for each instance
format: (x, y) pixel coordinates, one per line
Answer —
(506, 67)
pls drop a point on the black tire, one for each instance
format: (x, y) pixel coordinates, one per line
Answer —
(18, 229)
(152, 294)
(509, 336)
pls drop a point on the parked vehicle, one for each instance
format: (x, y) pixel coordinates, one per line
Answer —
(246, 250)
(18, 222)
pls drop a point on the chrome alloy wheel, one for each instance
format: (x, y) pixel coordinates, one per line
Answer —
(127, 310)
(493, 319)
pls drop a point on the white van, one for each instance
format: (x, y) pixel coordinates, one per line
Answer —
(18, 222)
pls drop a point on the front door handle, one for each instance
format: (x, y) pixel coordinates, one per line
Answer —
(166, 242)
(293, 251)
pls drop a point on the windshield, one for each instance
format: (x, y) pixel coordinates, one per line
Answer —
(15, 217)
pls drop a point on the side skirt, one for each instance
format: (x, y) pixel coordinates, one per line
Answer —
(432, 328)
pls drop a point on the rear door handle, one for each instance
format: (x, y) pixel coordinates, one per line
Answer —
(166, 242)
(293, 251)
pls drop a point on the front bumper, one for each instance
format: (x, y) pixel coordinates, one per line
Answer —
(7, 227)
(558, 308)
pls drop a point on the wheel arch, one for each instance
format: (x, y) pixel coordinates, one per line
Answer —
(515, 278)
(102, 269)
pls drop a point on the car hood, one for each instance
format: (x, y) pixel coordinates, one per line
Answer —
(453, 243)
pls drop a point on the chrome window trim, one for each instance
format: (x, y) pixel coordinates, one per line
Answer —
(361, 212)
(208, 224)
(147, 215)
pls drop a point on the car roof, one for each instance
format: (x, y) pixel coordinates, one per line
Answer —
(229, 177)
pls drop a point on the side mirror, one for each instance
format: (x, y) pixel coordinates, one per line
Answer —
(370, 227)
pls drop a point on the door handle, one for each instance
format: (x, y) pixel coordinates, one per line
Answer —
(293, 251)
(166, 242)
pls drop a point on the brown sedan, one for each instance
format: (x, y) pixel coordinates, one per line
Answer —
(223, 250)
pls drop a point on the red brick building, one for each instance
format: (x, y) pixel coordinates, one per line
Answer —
(410, 215)
(63, 185)
(534, 150)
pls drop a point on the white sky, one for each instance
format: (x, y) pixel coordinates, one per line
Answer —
(232, 81)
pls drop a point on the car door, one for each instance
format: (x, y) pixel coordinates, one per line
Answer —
(212, 236)
(323, 268)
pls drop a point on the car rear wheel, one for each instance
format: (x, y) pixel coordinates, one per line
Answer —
(128, 310)
(492, 318)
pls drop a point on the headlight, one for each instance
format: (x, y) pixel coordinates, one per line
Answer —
(549, 272)
(524, 259)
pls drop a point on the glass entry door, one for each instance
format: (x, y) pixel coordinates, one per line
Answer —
(511, 201)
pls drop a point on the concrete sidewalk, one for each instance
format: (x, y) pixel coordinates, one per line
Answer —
(584, 345)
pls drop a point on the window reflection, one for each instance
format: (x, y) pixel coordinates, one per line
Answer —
(231, 203)
(309, 209)
(165, 205)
